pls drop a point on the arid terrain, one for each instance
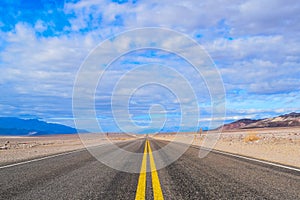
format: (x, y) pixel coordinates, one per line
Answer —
(280, 145)
(20, 148)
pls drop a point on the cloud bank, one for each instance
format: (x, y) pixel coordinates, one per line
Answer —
(255, 45)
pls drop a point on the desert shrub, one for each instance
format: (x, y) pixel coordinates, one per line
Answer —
(251, 137)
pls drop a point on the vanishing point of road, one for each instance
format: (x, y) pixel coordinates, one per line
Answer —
(78, 175)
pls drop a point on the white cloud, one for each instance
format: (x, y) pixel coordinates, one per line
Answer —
(254, 43)
(40, 26)
(266, 17)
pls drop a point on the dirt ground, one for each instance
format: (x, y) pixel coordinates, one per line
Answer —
(15, 149)
(280, 145)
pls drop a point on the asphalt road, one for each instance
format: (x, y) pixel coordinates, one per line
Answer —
(79, 175)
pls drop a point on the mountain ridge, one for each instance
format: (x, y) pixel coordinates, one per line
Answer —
(22, 127)
(285, 120)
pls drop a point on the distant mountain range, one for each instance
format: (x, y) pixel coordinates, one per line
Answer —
(16, 126)
(287, 120)
(24, 127)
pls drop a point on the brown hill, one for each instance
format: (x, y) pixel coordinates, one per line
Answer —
(287, 120)
(238, 124)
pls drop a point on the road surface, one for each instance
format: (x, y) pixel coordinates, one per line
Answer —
(78, 175)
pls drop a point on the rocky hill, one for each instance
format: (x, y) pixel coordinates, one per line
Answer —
(287, 120)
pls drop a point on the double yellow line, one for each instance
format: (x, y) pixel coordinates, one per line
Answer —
(141, 188)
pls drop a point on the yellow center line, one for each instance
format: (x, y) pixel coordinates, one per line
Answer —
(141, 188)
(157, 193)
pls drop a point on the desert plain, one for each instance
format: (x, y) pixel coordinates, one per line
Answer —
(279, 145)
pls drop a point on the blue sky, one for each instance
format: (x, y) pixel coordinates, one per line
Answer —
(255, 45)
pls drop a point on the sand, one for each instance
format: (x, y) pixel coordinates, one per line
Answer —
(280, 145)
(25, 148)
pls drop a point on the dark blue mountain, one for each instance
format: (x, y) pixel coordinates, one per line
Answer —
(17, 126)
